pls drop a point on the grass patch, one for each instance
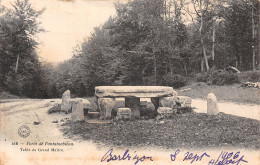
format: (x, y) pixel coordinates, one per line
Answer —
(233, 93)
(189, 130)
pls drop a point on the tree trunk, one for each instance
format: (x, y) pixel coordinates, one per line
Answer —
(213, 38)
(258, 41)
(185, 68)
(202, 41)
(202, 65)
(253, 37)
(17, 61)
(155, 67)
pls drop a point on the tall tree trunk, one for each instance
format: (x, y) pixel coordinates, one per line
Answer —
(202, 41)
(253, 36)
(17, 61)
(155, 67)
(258, 39)
(202, 65)
(185, 68)
(213, 39)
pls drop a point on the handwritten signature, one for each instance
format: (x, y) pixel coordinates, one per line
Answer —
(109, 156)
(226, 158)
(223, 159)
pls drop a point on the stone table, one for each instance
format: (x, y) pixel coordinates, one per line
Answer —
(105, 97)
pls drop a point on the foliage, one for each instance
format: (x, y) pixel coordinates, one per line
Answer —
(20, 69)
(251, 76)
(175, 81)
(148, 42)
(223, 78)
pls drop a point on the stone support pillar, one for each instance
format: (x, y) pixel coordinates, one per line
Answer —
(134, 104)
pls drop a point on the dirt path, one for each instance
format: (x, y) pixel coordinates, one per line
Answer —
(15, 114)
(244, 110)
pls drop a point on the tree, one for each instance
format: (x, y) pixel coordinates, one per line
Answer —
(18, 27)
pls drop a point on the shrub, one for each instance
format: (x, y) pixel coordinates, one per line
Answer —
(202, 77)
(252, 76)
(223, 78)
(175, 81)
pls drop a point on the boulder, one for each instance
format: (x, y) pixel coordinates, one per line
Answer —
(133, 91)
(65, 104)
(167, 102)
(165, 110)
(124, 113)
(105, 105)
(134, 104)
(86, 103)
(183, 101)
(77, 110)
(212, 104)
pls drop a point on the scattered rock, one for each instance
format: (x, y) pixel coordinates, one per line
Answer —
(212, 105)
(36, 123)
(66, 105)
(161, 122)
(38, 120)
(167, 101)
(165, 112)
(124, 113)
(54, 109)
(183, 101)
(56, 121)
(251, 84)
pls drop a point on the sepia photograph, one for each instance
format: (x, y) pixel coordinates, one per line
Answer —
(111, 82)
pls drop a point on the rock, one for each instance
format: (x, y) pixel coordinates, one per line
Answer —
(161, 122)
(124, 113)
(134, 104)
(65, 104)
(175, 93)
(105, 105)
(36, 123)
(212, 104)
(167, 102)
(77, 110)
(183, 101)
(165, 110)
(86, 103)
(133, 91)
(150, 106)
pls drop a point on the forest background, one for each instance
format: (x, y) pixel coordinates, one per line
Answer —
(147, 42)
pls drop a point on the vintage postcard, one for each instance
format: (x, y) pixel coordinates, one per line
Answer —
(135, 82)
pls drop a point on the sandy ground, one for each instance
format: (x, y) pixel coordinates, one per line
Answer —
(15, 113)
(244, 110)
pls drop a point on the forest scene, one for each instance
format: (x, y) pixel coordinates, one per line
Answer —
(151, 78)
(148, 42)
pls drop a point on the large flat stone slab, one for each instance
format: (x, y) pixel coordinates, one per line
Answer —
(133, 91)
